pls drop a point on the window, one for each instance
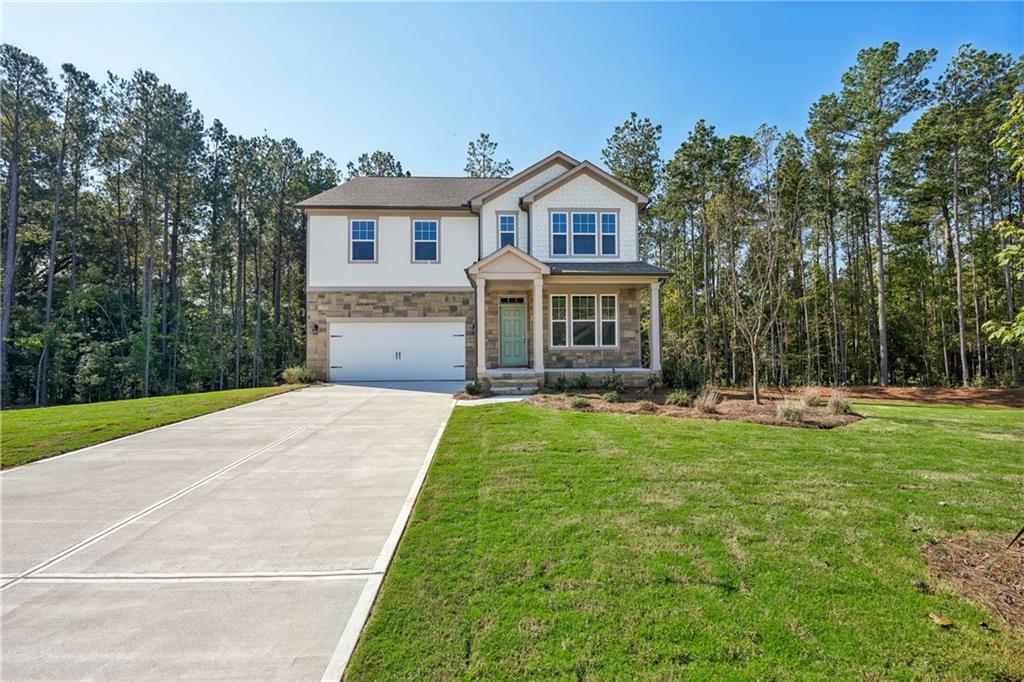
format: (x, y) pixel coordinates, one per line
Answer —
(364, 240)
(424, 241)
(584, 320)
(559, 234)
(506, 230)
(559, 322)
(609, 233)
(609, 321)
(584, 234)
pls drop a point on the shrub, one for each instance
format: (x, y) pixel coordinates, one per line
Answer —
(838, 402)
(811, 396)
(299, 374)
(611, 397)
(561, 384)
(708, 400)
(647, 406)
(790, 411)
(679, 399)
(613, 382)
(474, 388)
(581, 382)
(679, 373)
(579, 403)
(654, 383)
(982, 381)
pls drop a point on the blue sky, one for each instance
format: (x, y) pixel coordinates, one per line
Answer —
(422, 80)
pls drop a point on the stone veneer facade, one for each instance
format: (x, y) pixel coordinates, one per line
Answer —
(321, 305)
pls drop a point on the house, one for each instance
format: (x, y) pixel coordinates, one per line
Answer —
(512, 281)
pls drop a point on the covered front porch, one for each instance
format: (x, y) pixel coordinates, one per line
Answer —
(536, 321)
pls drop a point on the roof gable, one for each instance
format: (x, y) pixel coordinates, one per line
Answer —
(522, 176)
(589, 169)
(508, 259)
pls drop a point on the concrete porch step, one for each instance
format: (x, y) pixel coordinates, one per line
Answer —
(519, 385)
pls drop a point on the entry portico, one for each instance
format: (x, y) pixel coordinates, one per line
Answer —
(582, 317)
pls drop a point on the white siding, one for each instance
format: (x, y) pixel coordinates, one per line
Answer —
(584, 192)
(328, 249)
(509, 201)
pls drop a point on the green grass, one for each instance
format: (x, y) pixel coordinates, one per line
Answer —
(566, 545)
(37, 433)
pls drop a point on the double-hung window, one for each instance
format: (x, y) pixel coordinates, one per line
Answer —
(364, 240)
(559, 321)
(584, 234)
(559, 234)
(424, 241)
(584, 320)
(609, 320)
(506, 230)
(609, 233)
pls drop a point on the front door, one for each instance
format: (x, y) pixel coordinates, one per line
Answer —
(512, 333)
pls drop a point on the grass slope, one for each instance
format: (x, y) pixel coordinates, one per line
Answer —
(28, 435)
(561, 545)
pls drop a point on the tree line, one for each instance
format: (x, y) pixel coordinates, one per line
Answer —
(874, 247)
(146, 252)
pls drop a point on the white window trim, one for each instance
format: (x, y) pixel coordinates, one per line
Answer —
(569, 319)
(436, 240)
(600, 314)
(376, 239)
(515, 227)
(596, 321)
(551, 235)
(552, 320)
(596, 234)
(600, 233)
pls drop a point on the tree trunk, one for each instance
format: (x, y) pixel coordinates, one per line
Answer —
(9, 255)
(883, 326)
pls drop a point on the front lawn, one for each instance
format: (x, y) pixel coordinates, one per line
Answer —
(31, 434)
(563, 545)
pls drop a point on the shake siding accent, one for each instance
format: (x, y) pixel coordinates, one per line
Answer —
(508, 202)
(584, 193)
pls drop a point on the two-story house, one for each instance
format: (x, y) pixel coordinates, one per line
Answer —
(527, 277)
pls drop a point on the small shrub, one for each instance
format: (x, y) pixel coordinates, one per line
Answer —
(646, 406)
(613, 382)
(790, 411)
(579, 403)
(561, 384)
(679, 399)
(298, 374)
(645, 392)
(654, 383)
(811, 396)
(582, 382)
(611, 397)
(708, 401)
(474, 388)
(1006, 380)
(981, 381)
(838, 403)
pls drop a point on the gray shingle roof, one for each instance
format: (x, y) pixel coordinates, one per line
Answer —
(606, 268)
(418, 192)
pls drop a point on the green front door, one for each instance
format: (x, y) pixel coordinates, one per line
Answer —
(513, 335)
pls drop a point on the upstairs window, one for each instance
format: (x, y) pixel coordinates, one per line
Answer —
(364, 240)
(424, 241)
(609, 233)
(584, 234)
(506, 230)
(559, 234)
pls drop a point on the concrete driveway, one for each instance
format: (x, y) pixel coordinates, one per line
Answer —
(245, 544)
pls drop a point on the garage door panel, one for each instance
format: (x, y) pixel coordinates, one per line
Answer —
(397, 350)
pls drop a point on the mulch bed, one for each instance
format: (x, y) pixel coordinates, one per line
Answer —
(728, 409)
(964, 562)
(977, 397)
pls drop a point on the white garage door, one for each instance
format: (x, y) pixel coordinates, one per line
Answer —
(398, 350)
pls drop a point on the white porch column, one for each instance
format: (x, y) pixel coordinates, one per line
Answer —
(538, 325)
(481, 333)
(655, 330)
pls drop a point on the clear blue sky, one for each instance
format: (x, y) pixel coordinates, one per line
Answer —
(422, 80)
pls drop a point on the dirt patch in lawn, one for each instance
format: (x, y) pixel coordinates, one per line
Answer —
(729, 409)
(977, 397)
(966, 564)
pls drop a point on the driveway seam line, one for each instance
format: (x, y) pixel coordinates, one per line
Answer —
(339, 660)
(74, 549)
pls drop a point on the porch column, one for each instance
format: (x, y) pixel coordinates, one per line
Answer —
(481, 333)
(655, 330)
(538, 325)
